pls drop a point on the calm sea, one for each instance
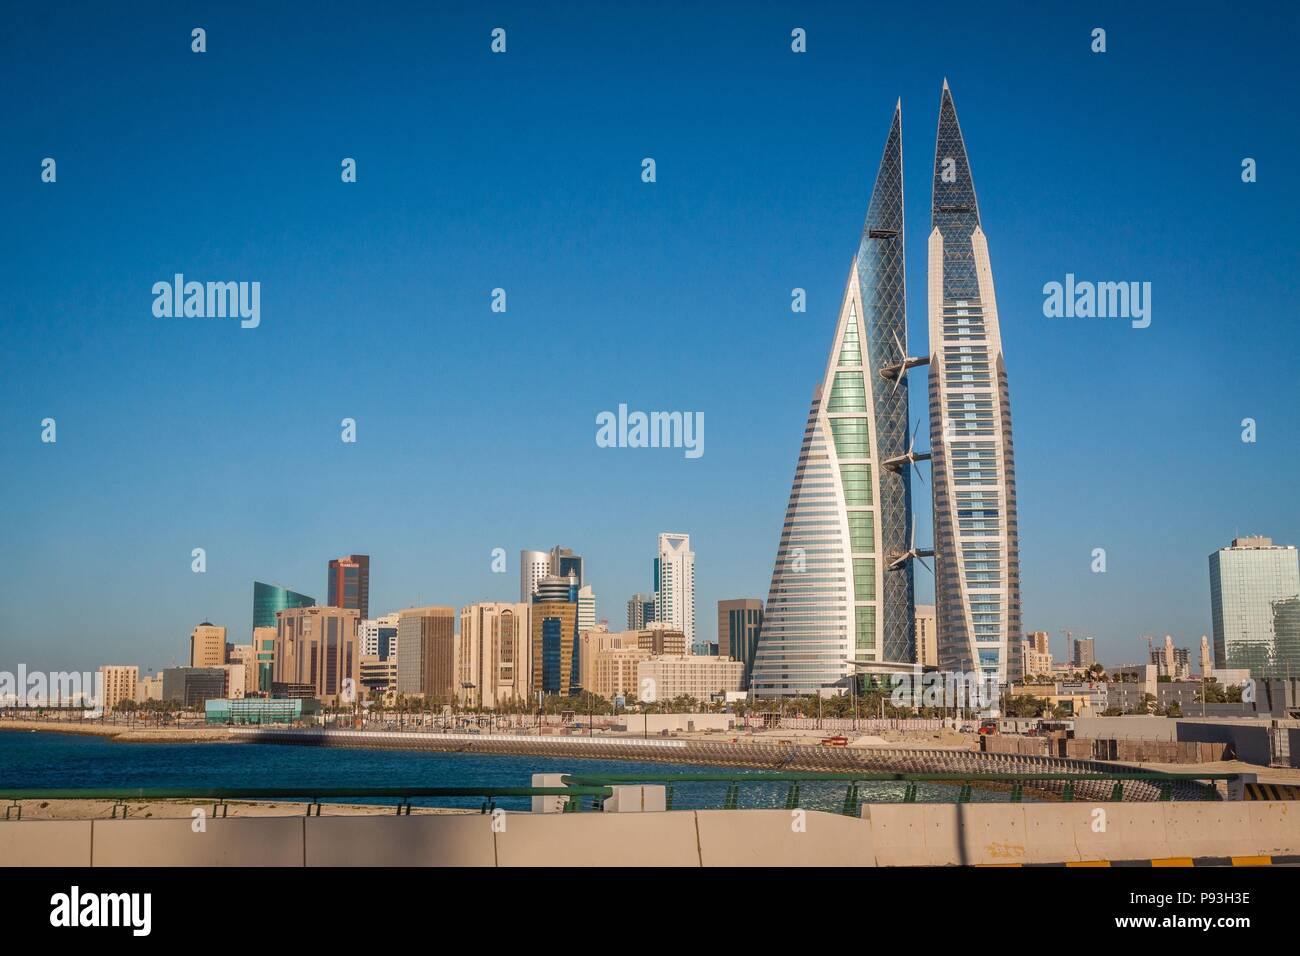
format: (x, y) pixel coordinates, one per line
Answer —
(56, 761)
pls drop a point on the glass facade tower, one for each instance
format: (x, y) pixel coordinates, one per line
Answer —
(977, 552)
(269, 598)
(834, 599)
(1255, 607)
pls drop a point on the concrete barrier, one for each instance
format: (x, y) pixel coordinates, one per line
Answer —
(248, 841)
(1274, 828)
(434, 840)
(599, 839)
(774, 838)
(886, 835)
(45, 843)
(1207, 829)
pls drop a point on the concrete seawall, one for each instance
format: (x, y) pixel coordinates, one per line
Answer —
(885, 835)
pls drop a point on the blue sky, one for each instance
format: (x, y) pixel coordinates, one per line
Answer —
(522, 171)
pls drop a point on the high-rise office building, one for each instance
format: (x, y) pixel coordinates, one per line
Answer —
(349, 583)
(1255, 607)
(586, 609)
(739, 623)
(555, 652)
(493, 664)
(927, 642)
(378, 637)
(564, 563)
(207, 645)
(426, 652)
(842, 591)
(316, 647)
(270, 598)
(533, 566)
(640, 611)
(555, 588)
(674, 579)
(977, 550)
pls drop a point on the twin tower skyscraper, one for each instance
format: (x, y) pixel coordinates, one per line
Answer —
(842, 593)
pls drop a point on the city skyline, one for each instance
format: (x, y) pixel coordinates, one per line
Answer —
(1115, 450)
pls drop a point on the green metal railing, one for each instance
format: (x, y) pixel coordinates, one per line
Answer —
(311, 796)
(1201, 785)
(799, 787)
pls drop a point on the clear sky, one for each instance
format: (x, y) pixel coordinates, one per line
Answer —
(476, 430)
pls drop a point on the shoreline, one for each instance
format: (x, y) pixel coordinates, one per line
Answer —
(123, 734)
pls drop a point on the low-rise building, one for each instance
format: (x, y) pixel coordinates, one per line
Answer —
(252, 710)
(192, 686)
(149, 688)
(607, 663)
(663, 678)
(119, 683)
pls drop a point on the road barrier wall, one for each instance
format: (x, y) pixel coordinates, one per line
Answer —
(885, 835)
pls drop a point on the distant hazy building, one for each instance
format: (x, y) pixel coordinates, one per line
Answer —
(674, 580)
(493, 664)
(927, 638)
(1085, 654)
(608, 662)
(1255, 607)
(119, 684)
(271, 598)
(668, 677)
(349, 583)
(207, 645)
(317, 646)
(1207, 658)
(640, 611)
(1037, 655)
(149, 688)
(1172, 662)
(378, 636)
(191, 686)
(739, 623)
(533, 566)
(426, 652)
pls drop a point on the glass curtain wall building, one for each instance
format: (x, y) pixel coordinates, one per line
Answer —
(833, 599)
(977, 555)
(270, 598)
(1255, 607)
